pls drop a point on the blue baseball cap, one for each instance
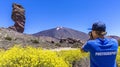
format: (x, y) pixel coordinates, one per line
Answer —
(98, 26)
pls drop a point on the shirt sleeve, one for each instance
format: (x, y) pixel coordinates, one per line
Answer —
(85, 47)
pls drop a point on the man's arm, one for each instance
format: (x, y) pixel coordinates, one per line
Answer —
(84, 48)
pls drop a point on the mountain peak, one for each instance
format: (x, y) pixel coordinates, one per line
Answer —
(63, 33)
(59, 27)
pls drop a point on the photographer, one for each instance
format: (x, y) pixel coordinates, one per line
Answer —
(102, 50)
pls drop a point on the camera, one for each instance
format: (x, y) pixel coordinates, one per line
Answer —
(90, 35)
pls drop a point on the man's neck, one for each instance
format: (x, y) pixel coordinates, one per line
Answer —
(102, 37)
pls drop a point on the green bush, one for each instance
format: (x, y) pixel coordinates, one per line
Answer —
(58, 44)
(8, 38)
(35, 41)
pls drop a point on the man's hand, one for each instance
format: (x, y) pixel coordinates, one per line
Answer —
(81, 49)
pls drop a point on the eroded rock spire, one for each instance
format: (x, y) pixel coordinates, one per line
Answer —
(18, 16)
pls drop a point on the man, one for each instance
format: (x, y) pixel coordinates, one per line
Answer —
(102, 50)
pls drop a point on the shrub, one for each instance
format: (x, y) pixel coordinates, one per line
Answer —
(8, 38)
(30, 57)
(118, 57)
(58, 44)
(37, 57)
(35, 41)
(71, 55)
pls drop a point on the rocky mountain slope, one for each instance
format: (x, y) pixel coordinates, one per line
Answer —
(63, 33)
(9, 38)
(113, 36)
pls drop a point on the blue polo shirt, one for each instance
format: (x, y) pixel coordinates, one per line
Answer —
(102, 52)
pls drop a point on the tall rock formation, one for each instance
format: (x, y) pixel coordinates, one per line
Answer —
(18, 16)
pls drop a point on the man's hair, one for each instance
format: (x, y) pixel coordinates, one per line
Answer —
(101, 33)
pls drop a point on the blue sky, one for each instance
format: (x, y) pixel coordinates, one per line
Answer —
(75, 14)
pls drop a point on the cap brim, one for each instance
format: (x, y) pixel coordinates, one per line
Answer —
(89, 29)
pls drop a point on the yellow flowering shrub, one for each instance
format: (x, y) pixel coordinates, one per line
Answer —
(118, 57)
(37, 57)
(30, 57)
(72, 55)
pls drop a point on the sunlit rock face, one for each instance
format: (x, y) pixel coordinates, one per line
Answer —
(18, 16)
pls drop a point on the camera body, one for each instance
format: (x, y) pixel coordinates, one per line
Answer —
(90, 35)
